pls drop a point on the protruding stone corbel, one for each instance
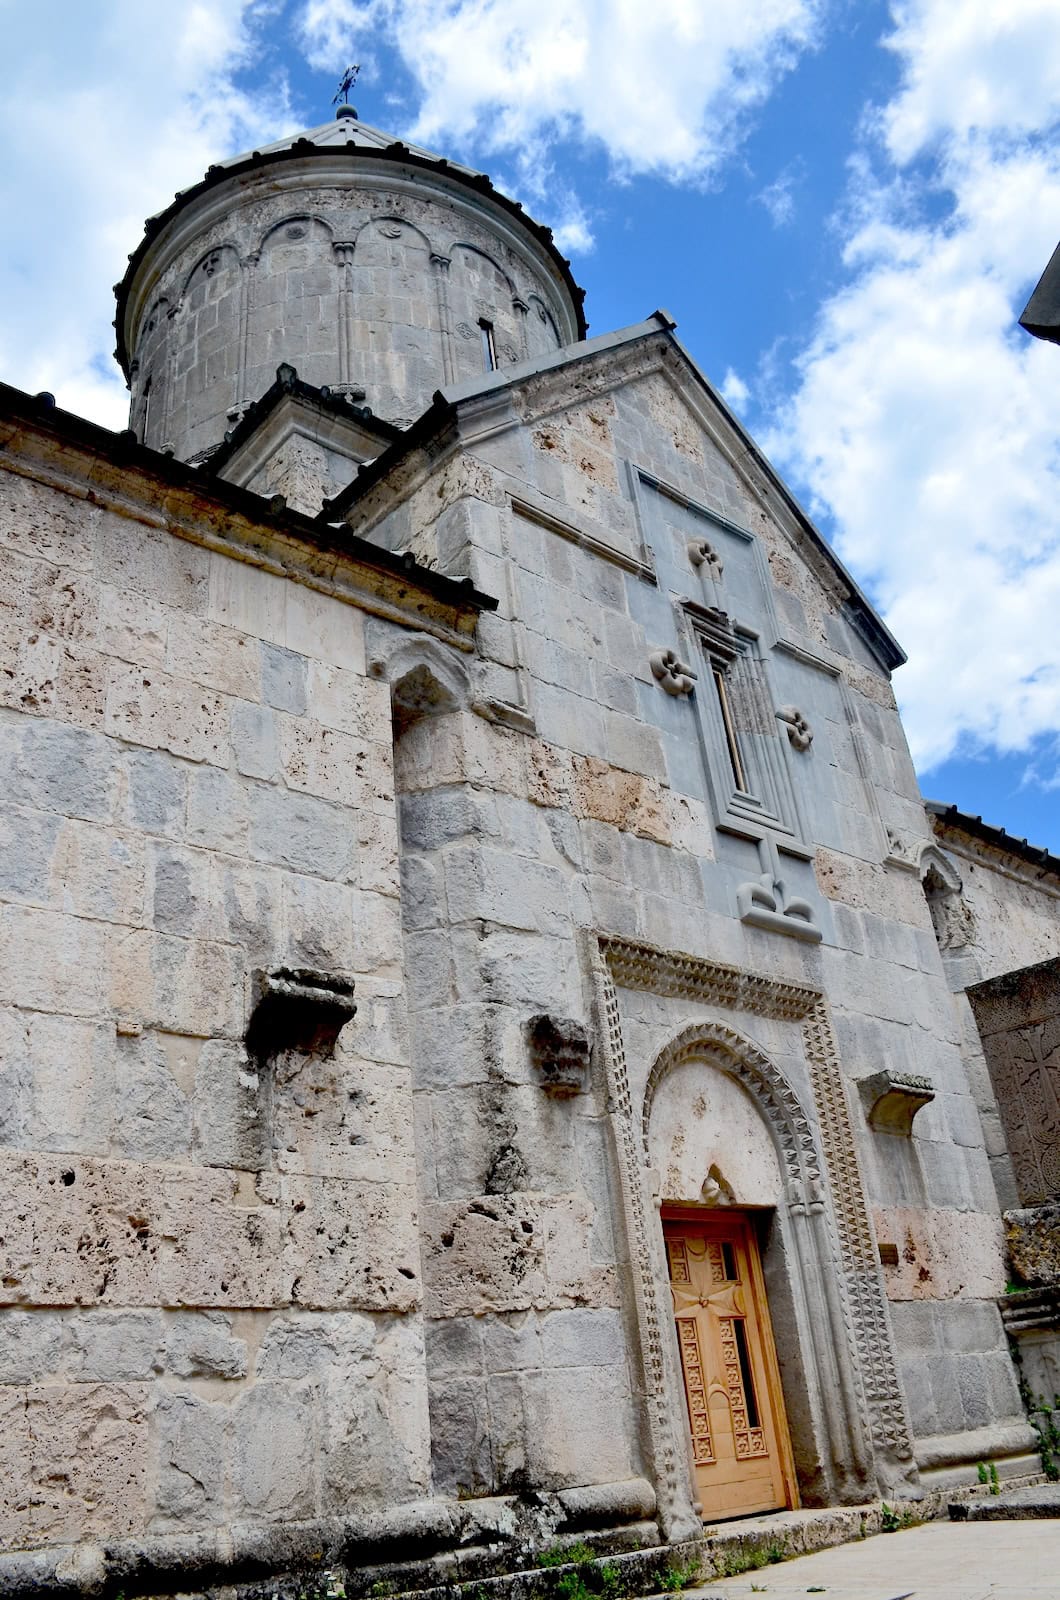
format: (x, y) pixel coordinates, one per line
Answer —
(670, 673)
(800, 734)
(295, 1009)
(560, 1050)
(892, 1099)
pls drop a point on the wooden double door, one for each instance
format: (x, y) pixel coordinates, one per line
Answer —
(740, 1444)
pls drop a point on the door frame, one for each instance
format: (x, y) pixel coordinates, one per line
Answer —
(697, 1215)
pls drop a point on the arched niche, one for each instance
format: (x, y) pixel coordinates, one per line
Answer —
(390, 324)
(943, 887)
(481, 296)
(293, 304)
(542, 337)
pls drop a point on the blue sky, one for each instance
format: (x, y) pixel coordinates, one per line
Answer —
(844, 206)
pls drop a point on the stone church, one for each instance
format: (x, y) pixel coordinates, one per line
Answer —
(493, 1047)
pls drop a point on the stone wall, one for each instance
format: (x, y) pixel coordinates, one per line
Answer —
(209, 1269)
(592, 803)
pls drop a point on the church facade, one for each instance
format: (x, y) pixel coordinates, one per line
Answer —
(493, 1046)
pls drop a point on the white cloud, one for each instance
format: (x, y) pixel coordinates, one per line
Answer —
(925, 422)
(734, 391)
(778, 198)
(107, 110)
(665, 88)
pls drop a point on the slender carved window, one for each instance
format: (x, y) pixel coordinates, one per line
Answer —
(735, 759)
(489, 345)
(742, 737)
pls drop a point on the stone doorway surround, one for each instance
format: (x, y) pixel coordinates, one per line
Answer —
(862, 1438)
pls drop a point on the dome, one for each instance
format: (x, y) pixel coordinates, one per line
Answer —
(374, 268)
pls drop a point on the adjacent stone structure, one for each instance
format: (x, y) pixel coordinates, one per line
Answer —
(457, 822)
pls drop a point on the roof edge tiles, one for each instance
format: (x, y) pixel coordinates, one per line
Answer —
(976, 828)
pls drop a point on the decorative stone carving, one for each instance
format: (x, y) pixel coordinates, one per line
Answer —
(390, 230)
(863, 1313)
(465, 330)
(672, 674)
(559, 1049)
(296, 1009)
(761, 903)
(892, 1099)
(800, 734)
(702, 553)
(716, 1191)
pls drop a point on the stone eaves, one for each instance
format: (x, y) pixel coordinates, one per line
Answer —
(450, 404)
(949, 817)
(42, 441)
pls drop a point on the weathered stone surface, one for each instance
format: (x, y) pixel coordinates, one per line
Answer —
(1032, 1240)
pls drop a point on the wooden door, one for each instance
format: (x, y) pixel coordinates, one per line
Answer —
(740, 1442)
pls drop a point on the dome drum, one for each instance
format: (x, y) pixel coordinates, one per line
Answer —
(384, 279)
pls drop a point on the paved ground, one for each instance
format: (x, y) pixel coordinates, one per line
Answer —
(939, 1561)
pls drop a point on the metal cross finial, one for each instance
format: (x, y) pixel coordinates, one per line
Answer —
(346, 83)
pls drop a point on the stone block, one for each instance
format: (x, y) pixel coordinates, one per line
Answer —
(318, 923)
(583, 1339)
(192, 1445)
(188, 986)
(52, 962)
(454, 1347)
(566, 1444)
(114, 1346)
(301, 832)
(222, 1241)
(273, 1433)
(428, 821)
(348, 1246)
(180, 891)
(511, 891)
(247, 901)
(217, 811)
(218, 657)
(230, 1122)
(308, 1344)
(422, 894)
(284, 679)
(201, 1344)
(377, 844)
(132, 626)
(152, 708)
(100, 1435)
(325, 629)
(152, 563)
(51, 767)
(30, 1345)
(460, 1432)
(157, 792)
(44, 523)
(27, 847)
(255, 740)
